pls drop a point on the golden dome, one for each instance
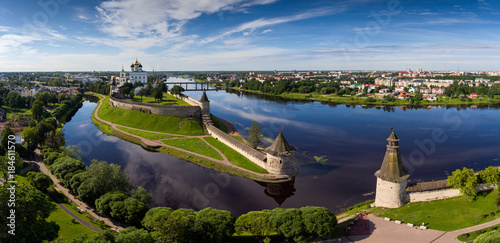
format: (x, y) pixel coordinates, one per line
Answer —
(137, 62)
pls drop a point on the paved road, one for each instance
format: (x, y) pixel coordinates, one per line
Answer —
(72, 214)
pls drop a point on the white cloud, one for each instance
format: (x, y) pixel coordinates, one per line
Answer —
(131, 18)
(267, 31)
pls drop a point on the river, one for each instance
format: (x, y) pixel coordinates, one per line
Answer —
(348, 142)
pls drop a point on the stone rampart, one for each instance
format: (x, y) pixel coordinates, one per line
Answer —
(431, 195)
(186, 98)
(250, 153)
(191, 112)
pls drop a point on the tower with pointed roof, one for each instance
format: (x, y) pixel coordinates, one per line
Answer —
(205, 104)
(279, 159)
(392, 178)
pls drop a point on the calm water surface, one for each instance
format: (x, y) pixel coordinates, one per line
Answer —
(350, 140)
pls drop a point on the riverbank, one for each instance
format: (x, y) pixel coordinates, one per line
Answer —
(231, 160)
(353, 100)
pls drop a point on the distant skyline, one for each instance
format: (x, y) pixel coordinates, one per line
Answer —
(211, 35)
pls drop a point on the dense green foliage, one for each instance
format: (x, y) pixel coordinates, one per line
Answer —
(100, 87)
(32, 207)
(489, 237)
(465, 180)
(40, 180)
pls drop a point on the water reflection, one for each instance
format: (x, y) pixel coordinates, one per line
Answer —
(279, 191)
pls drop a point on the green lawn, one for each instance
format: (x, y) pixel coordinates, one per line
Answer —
(219, 124)
(20, 111)
(234, 157)
(151, 122)
(148, 135)
(70, 228)
(195, 145)
(448, 214)
(167, 100)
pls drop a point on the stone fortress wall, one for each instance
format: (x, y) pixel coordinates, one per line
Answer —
(200, 112)
(442, 193)
(190, 112)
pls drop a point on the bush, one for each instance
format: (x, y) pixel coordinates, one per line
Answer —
(490, 237)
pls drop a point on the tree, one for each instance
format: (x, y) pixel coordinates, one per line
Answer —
(142, 92)
(155, 218)
(132, 234)
(157, 94)
(134, 210)
(7, 133)
(132, 93)
(142, 195)
(213, 225)
(465, 180)
(32, 208)
(126, 88)
(177, 89)
(490, 175)
(255, 134)
(163, 87)
(77, 180)
(103, 178)
(318, 221)
(30, 138)
(288, 222)
(103, 204)
(255, 222)
(64, 165)
(180, 226)
(54, 139)
(37, 109)
(4, 163)
(40, 180)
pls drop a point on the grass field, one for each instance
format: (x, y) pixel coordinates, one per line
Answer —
(148, 135)
(234, 157)
(448, 214)
(70, 227)
(167, 100)
(195, 145)
(151, 122)
(11, 111)
(219, 124)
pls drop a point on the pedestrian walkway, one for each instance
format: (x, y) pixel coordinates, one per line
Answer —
(382, 231)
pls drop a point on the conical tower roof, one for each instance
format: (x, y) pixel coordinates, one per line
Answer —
(392, 167)
(280, 146)
(204, 97)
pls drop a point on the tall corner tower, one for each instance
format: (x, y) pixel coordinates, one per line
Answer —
(392, 178)
(205, 104)
(280, 157)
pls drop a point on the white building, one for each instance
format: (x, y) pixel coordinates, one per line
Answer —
(136, 74)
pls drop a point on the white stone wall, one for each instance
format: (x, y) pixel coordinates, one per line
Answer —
(235, 144)
(444, 193)
(391, 194)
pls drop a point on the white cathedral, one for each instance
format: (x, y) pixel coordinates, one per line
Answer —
(136, 74)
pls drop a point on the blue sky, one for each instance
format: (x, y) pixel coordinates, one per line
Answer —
(206, 35)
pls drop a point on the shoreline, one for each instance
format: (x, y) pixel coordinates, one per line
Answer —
(178, 153)
(350, 100)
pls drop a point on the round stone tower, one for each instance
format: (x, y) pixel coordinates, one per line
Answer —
(205, 104)
(280, 157)
(392, 178)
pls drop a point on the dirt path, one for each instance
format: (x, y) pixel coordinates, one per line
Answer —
(224, 162)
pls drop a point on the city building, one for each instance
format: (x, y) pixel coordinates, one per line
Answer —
(136, 74)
